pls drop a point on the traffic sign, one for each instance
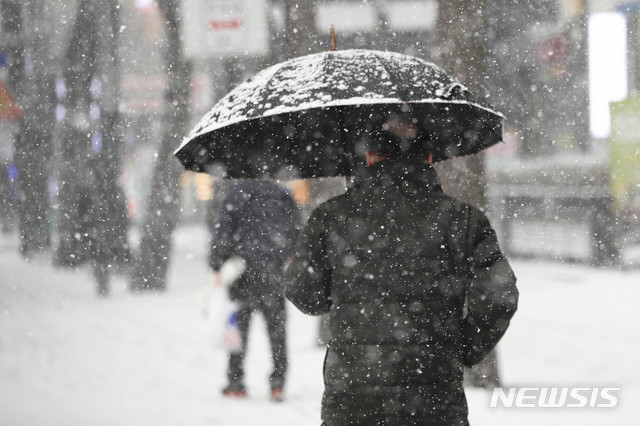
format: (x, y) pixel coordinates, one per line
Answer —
(225, 28)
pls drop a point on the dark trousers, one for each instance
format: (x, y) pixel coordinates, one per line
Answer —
(273, 310)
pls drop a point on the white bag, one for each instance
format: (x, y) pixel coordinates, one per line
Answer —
(220, 311)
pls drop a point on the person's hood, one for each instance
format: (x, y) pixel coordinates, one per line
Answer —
(410, 175)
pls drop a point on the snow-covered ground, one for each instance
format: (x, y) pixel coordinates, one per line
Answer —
(70, 358)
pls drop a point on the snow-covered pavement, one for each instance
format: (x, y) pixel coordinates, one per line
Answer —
(68, 357)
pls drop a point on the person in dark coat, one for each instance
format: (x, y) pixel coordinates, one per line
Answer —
(258, 221)
(392, 261)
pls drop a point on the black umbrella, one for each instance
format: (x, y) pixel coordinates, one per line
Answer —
(317, 114)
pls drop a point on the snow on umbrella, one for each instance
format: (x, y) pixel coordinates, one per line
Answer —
(316, 115)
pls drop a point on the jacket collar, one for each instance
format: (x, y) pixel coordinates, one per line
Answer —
(403, 172)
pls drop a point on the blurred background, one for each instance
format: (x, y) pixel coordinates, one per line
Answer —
(95, 95)
(106, 90)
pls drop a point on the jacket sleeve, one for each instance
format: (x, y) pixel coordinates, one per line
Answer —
(222, 242)
(308, 277)
(492, 296)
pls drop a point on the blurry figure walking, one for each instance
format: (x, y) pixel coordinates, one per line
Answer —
(392, 261)
(258, 222)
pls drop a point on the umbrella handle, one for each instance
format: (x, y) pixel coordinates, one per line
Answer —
(332, 34)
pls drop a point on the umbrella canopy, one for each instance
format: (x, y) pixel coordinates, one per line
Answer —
(316, 116)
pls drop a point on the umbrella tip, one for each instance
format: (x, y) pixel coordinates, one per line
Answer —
(332, 33)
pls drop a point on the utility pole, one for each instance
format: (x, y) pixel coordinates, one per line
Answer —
(300, 28)
(110, 211)
(461, 50)
(163, 204)
(28, 30)
(301, 39)
(461, 41)
(92, 223)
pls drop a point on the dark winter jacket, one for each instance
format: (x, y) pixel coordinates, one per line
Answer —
(258, 221)
(392, 262)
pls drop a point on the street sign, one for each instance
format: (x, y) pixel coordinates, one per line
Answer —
(607, 68)
(353, 17)
(225, 28)
(624, 156)
(411, 15)
(346, 17)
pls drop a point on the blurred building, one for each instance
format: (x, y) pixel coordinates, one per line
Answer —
(551, 170)
(556, 196)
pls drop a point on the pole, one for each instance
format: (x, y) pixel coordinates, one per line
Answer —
(163, 204)
(463, 53)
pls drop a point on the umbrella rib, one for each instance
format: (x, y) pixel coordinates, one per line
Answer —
(265, 90)
(382, 61)
(264, 96)
(327, 68)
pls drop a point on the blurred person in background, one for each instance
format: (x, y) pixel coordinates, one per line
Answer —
(257, 222)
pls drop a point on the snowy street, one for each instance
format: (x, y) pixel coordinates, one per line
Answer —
(465, 169)
(68, 357)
